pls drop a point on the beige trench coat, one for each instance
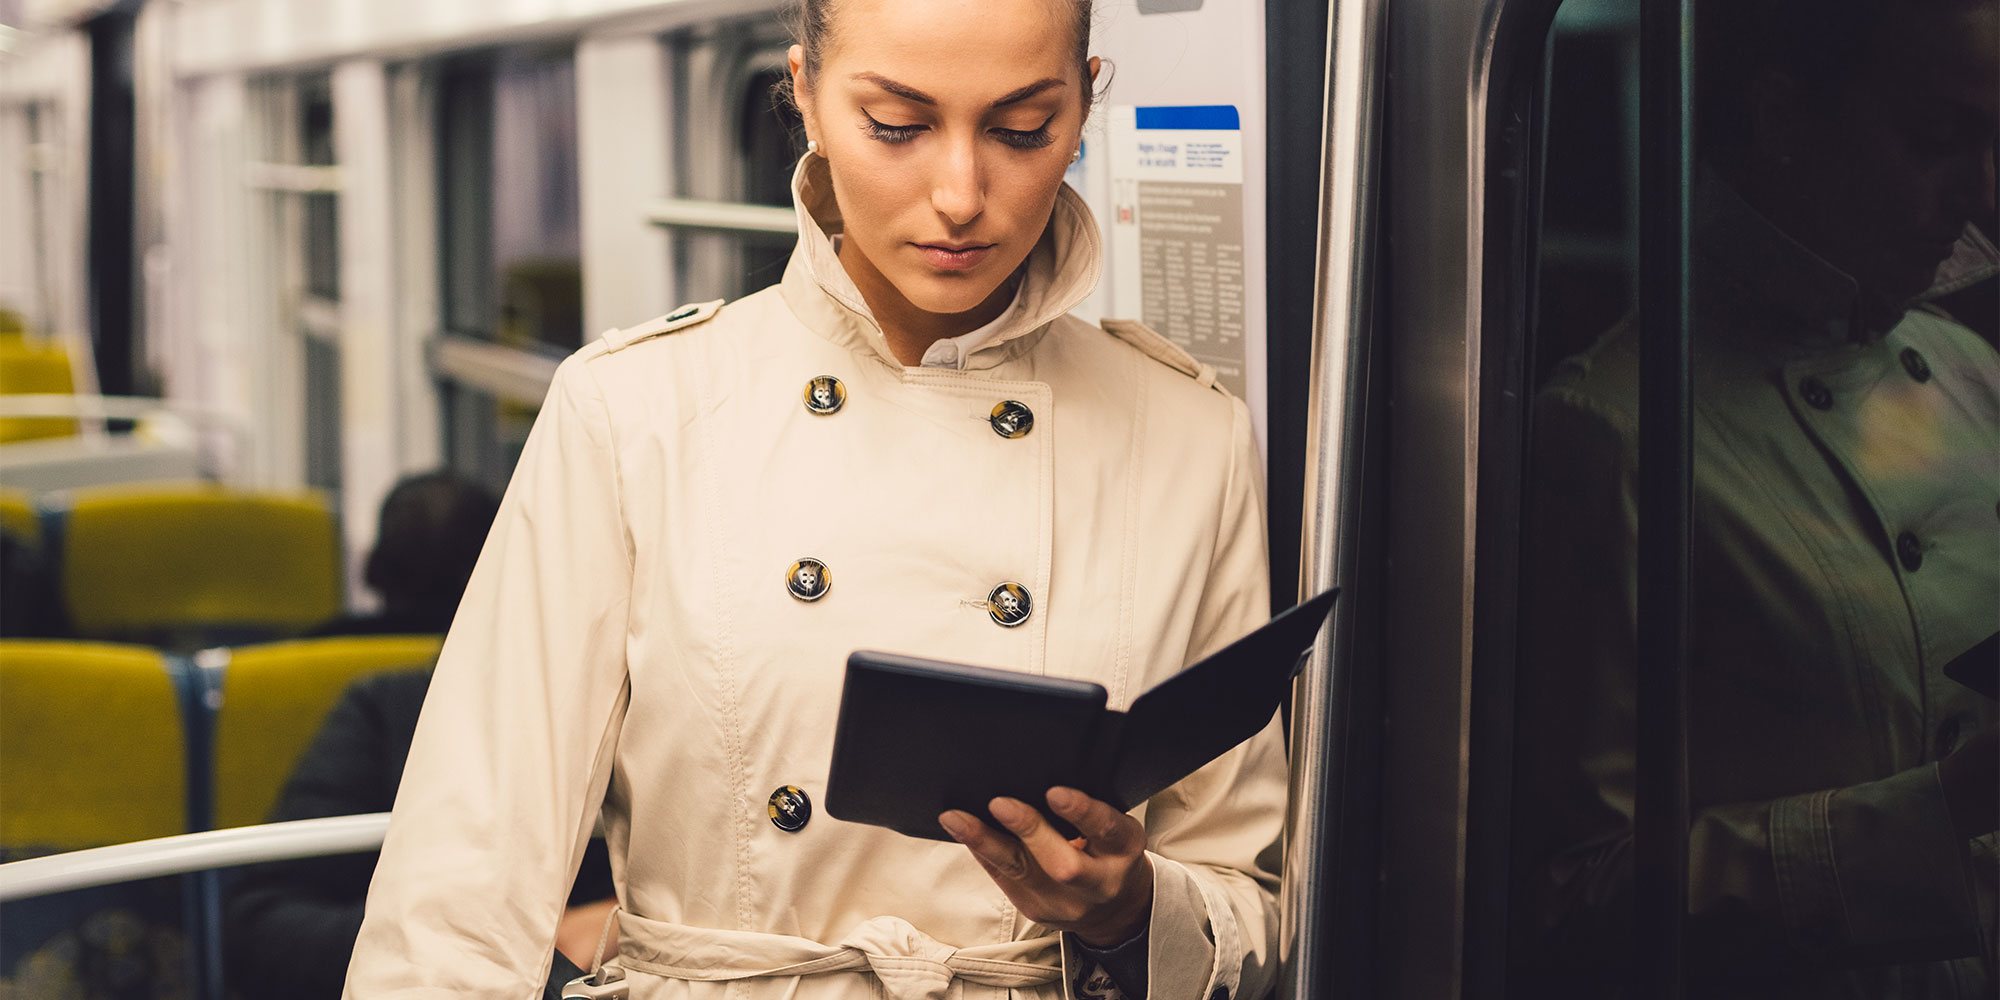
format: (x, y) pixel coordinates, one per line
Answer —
(629, 634)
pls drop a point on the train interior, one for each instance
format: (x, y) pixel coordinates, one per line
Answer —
(270, 265)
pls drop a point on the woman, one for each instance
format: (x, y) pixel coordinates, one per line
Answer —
(905, 445)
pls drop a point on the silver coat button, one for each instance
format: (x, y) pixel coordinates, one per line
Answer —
(808, 580)
(1010, 604)
(825, 395)
(1012, 419)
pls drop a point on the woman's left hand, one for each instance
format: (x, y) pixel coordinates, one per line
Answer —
(1098, 886)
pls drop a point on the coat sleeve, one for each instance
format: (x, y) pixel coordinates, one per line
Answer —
(514, 747)
(1214, 836)
(1866, 874)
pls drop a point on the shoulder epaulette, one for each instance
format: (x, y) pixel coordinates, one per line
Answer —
(1150, 343)
(673, 322)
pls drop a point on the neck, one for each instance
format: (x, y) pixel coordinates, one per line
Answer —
(911, 330)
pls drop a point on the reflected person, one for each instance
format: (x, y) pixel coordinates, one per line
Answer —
(1845, 542)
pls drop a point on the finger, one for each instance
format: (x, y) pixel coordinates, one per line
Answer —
(1051, 851)
(1001, 855)
(1108, 831)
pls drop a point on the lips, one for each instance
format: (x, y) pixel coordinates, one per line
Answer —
(954, 256)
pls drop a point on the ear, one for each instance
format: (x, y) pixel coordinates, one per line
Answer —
(1096, 66)
(1778, 118)
(795, 64)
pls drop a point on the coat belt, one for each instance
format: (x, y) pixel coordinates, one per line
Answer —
(910, 964)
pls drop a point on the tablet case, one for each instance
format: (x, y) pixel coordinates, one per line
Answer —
(916, 737)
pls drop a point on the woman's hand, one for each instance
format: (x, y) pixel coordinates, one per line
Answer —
(1098, 886)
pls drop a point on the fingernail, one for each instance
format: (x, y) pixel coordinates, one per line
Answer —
(954, 824)
(1007, 811)
(1065, 799)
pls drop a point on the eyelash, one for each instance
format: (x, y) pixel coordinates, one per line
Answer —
(894, 135)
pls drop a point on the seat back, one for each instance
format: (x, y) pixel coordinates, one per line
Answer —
(91, 746)
(274, 697)
(32, 366)
(158, 561)
(92, 752)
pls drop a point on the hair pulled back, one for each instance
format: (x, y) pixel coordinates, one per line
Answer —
(811, 23)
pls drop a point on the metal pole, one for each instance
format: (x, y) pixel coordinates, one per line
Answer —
(1341, 314)
(1660, 820)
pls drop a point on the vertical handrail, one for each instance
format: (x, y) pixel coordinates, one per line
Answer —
(1660, 813)
(1342, 286)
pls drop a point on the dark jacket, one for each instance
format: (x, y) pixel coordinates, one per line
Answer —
(290, 926)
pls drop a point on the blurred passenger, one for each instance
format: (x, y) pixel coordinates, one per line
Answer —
(431, 529)
(291, 925)
(1845, 540)
(28, 589)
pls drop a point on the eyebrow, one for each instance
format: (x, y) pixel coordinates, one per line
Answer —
(909, 93)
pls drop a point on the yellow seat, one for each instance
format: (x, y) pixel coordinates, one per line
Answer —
(274, 697)
(34, 366)
(18, 518)
(91, 747)
(176, 560)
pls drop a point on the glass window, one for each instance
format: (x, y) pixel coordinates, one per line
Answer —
(511, 237)
(1843, 549)
(509, 233)
(745, 154)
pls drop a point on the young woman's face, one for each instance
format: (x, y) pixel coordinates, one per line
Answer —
(947, 126)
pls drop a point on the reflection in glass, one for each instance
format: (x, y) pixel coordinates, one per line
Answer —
(1846, 534)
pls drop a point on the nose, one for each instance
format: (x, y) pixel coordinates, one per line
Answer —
(958, 186)
(1973, 190)
(1987, 179)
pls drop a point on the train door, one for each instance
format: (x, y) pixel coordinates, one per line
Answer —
(1599, 263)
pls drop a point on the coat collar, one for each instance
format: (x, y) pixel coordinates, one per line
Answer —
(1754, 265)
(1062, 270)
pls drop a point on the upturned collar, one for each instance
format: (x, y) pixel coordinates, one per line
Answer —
(1061, 271)
(1751, 265)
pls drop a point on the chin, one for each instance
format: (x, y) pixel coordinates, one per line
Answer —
(947, 295)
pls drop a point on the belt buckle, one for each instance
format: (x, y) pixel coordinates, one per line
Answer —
(613, 986)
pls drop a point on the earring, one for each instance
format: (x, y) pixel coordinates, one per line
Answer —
(812, 146)
(1076, 154)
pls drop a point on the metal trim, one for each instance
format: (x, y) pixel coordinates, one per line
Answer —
(1660, 801)
(1342, 327)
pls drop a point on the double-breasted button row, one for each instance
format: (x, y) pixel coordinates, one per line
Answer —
(1914, 363)
(1815, 393)
(1010, 418)
(790, 808)
(1910, 551)
(808, 580)
(1947, 738)
(825, 395)
(1009, 604)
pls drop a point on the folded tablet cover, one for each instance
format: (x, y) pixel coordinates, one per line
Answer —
(916, 737)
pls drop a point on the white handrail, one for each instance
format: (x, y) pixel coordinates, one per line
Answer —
(192, 852)
(82, 406)
(688, 213)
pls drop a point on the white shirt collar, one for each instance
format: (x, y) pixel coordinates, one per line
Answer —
(951, 352)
